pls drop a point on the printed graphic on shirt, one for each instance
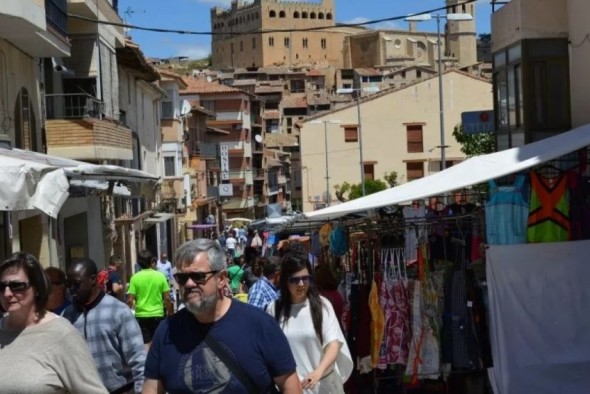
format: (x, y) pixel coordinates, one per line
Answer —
(203, 372)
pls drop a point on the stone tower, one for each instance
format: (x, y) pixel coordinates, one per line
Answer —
(461, 37)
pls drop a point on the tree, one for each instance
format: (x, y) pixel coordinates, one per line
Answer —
(356, 191)
(474, 144)
(391, 178)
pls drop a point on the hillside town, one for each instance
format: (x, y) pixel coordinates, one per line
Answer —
(398, 199)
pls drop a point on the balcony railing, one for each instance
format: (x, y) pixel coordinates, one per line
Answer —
(56, 15)
(73, 106)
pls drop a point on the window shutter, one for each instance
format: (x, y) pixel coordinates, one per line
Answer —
(414, 135)
(351, 134)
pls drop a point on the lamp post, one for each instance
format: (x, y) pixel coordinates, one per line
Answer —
(325, 122)
(359, 127)
(438, 17)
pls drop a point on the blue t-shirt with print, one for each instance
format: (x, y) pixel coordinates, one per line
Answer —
(182, 361)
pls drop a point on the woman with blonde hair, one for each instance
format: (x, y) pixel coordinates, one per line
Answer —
(312, 329)
(40, 351)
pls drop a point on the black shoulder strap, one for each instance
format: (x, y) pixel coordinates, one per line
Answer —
(230, 363)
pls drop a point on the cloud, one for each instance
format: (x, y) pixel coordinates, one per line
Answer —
(220, 3)
(192, 50)
(381, 25)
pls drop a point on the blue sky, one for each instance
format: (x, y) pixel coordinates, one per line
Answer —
(194, 15)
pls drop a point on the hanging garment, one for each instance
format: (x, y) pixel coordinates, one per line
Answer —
(414, 231)
(549, 216)
(579, 188)
(377, 323)
(338, 242)
(324, 232)
(506, 213)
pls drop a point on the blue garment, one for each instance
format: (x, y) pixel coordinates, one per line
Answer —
(338, 242)
(182, 361)
(262, 293)
(506, 214)
(165, 267)
(60, 309)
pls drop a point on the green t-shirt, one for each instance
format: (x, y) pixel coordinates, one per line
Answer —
(235, 274)
(147, 286)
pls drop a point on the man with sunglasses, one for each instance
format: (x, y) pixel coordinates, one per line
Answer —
(216, 343)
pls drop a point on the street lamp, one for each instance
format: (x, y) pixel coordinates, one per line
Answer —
(438, 17)
(325, 122)
(360, 133)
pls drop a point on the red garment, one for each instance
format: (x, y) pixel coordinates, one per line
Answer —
(336, 300)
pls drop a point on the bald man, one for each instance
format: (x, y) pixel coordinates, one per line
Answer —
(109, 327)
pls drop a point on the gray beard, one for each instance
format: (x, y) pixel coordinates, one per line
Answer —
(204, 305)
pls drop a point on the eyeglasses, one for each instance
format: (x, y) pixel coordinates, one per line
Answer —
(200, 278)
(294, 280)
(14, 286)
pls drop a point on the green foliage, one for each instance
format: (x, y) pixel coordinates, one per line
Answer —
(391, 178)
(474, 144)
(356, 191)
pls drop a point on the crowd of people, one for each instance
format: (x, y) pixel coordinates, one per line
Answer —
(81, 331)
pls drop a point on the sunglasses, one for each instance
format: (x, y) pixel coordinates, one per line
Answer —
(14, 286)
(294, 280)
(199, 278)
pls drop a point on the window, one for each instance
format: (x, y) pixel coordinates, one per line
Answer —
(169, 169)
(321, 15)
(287, 42)
(312, 15)
(253, 42)
(168, 105)
(414, 170)
(369, 171)
(418, 74)
(304, 15)
(296, 15)
(271, 41)
(328, 16)
(282, 14)
(351, 133)
(272, 14)
(324, 43)
(414, 134)
(305, 43)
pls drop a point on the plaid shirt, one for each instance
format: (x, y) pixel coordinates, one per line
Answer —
(262, 293)
(114, 339)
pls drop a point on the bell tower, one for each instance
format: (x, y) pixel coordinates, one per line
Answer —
(461, 37)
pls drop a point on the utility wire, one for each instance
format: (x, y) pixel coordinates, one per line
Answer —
(210, 33)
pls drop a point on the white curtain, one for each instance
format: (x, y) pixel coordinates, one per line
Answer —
(539, 303)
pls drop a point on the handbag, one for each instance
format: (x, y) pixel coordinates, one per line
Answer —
(233, 366)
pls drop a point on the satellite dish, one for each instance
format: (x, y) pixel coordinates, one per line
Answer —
(258, 138)
(186, 108)
(209, 79)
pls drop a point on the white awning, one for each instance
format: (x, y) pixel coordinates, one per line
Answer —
(160, 217)
(470, 172)
(31, 180)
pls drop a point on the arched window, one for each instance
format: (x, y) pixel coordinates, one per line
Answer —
(304, 15)
(321, 15)
(25, 125)
(312, 15)
(296, 15)
(272, 14)
(329, 15)
(282, 14)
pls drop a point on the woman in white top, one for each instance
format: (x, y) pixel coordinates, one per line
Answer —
(311, 327)
(40, 352)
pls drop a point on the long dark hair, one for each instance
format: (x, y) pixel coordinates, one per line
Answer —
(291, 263)
(38, 279)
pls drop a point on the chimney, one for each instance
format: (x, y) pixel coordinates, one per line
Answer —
(412, 26)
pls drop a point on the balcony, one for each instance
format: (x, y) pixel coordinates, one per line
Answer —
(36, 27)
(206, 150)
(282, 179)
(76, 129)
(97, 9)
(258, 174)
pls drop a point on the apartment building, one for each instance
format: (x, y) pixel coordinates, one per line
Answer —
(70, 111)
(540, 61)
(400, 133)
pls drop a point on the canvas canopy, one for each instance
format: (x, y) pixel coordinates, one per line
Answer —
(31, 180)
(470, 172)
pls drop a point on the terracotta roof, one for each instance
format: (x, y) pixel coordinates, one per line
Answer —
(131, 56)
(271, 114)
(294, 101)
(201, 86)
(367, 72)
(172, 75)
